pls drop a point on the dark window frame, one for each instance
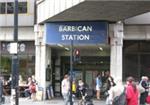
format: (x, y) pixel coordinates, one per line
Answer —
(2, 8)
(8, 7)
(22, 7)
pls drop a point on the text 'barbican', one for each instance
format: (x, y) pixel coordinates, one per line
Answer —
(63, 28)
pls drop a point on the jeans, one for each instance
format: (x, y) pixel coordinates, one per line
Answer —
(66, 98)
(27, 93)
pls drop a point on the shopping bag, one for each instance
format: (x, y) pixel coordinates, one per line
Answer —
(148, 99)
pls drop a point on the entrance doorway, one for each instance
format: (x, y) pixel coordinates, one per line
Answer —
(87, 68)
(93, 59)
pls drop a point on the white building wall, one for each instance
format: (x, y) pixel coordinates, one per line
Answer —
(23, 19)
(24, 33)
(137, 32)
(49, 8)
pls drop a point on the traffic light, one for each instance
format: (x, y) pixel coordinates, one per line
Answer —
(76, 55)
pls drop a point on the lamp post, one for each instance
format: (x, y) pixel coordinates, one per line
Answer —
(71, 71)
(13, 51)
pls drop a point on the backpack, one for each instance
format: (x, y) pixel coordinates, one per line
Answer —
(120, 100)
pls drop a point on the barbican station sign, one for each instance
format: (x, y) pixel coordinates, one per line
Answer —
(79, 32)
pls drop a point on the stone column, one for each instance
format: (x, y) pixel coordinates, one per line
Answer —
(40, 61)
(116, 51)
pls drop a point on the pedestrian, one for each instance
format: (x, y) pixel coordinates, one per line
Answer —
(115, 92)
(110, 81)
(145, 86)
(109, 84)
(74, 87)
(27, 91)
(82, 88)
(1, 88)
(98, 85)
(65, 87)
(132, 93)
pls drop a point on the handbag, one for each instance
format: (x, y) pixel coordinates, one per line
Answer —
(141, 88)
(106, 94)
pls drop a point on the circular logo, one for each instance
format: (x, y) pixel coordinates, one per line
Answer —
(22, 47)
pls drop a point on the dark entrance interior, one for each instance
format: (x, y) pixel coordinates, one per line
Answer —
(136, 59)
(92, 60)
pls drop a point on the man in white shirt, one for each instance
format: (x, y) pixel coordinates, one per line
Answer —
(65, 87)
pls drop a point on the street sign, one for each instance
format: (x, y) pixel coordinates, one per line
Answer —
(13, 48)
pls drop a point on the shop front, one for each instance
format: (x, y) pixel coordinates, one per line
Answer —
(26, 57)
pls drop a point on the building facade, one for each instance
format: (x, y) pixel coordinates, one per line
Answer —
(26, 52)
(110, 35)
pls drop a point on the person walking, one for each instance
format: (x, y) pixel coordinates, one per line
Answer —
(65, 87)
(109, 84)
(98, 85)
(144, 94)
(116, 91)
(110, 81)
(81, 91)
(132, 93)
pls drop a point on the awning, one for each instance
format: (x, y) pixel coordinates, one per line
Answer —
(111, 11)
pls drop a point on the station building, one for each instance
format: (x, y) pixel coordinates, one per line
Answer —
(110, 35)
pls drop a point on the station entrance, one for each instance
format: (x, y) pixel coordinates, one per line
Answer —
(91, 38)
(93, 59)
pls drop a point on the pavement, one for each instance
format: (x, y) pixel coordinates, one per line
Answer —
(55, 101)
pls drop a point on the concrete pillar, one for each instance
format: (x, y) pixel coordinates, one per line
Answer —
(40, 61)
(42, 72)
(116, 51)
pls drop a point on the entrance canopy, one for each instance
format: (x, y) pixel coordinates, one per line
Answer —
(111, 11)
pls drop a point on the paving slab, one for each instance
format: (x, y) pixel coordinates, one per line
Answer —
(55, 101)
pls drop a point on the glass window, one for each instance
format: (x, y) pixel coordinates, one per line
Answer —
(145, 64)
(5, 64)
(22, 7)
(136, 58)
(130, 66)
(2, 8)
(10, 7)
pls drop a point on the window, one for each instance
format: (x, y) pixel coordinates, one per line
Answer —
(136, 59)
(8, 7)
(22, 7)
(2, 8)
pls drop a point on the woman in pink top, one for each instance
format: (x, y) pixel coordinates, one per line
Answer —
(131, 92)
